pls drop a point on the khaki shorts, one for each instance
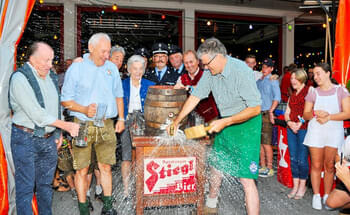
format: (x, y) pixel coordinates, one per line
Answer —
(266, 131)
(103, 140)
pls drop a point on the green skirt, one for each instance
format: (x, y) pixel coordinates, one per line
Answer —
(236, 149)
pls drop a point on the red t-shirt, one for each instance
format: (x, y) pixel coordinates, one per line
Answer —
(285, 84)
(296, 104)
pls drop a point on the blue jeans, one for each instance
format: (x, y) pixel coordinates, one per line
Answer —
(298, 154)
(35, 162)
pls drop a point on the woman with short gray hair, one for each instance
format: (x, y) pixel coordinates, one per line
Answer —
(135, 90)
(117, 56)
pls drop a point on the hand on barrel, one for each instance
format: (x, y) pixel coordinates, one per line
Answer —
(172, 128)
(91, 110)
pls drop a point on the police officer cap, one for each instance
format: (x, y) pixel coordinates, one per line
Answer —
(173, 49)
(159, 48)
(143, 52)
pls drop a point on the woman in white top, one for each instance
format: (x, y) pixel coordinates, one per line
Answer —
(326, 107)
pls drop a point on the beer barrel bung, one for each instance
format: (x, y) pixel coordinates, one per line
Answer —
(162, 103)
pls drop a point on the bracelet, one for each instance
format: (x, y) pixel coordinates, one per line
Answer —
(288, 121)
(121, 119)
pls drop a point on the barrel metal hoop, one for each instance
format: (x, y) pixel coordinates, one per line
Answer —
(164, 104)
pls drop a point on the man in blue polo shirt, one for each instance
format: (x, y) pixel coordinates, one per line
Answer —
(88, 84)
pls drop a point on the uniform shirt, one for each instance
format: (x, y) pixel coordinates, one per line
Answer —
(27, 111)
(162, 71)
(233, 89)
(86, 83)
(269, 90)
(180, 69)
(135, 99)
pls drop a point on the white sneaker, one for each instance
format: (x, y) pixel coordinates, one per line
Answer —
(325, 197)
(316, 202)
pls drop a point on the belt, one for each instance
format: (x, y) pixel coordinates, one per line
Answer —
(31, 131)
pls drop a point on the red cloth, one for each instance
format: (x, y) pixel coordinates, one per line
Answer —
(207, 107)
(341, 69)
(285, 84)
(296, 105)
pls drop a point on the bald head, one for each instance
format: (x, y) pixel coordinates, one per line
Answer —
(40, 57)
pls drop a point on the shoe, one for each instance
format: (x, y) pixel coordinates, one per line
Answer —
(262, 169)
(267, 173)
(74, 194)
(111, 211)
(98, 196)
(316, 202)
(324, 200)
(210, 211)
(300, 196)
(291, 195)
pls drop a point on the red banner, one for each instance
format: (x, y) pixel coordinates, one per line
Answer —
(169, 175)
(341, 67)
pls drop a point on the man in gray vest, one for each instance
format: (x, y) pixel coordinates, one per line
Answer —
(34, 100)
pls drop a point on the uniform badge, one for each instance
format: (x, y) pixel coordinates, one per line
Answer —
(253, 167)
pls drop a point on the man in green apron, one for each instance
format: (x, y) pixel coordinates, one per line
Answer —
(237, 143)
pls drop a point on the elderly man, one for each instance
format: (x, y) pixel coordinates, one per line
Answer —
(207, 107)
(161, 74)
(176, 58)
(88, 84)
(237, 143)
(34, 100)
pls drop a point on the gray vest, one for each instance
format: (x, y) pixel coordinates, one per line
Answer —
(27, 72)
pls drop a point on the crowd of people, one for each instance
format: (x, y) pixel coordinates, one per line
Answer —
(237, 101)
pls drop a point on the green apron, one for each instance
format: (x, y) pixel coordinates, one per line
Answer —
(236, 149)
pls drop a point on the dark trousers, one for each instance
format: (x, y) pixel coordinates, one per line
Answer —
(35, 162)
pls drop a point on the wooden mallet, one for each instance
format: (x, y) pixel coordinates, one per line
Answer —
(197, 131)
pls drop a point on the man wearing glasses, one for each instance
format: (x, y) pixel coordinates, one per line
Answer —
(237, 143)
(161, 74)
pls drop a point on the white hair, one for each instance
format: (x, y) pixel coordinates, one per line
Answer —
(94, 39)
(134, 59)
(118, 49)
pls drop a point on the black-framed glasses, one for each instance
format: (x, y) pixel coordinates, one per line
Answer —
(207, 64)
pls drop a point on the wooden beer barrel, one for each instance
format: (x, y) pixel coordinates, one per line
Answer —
(162, 103)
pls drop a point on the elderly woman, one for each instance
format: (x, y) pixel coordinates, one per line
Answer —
(135, 91)
(296, 133)
(326, 107)
(117, 56)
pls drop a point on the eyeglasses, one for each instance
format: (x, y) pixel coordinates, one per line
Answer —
(207, 64)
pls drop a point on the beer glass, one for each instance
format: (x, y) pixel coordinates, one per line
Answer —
(100, 115)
